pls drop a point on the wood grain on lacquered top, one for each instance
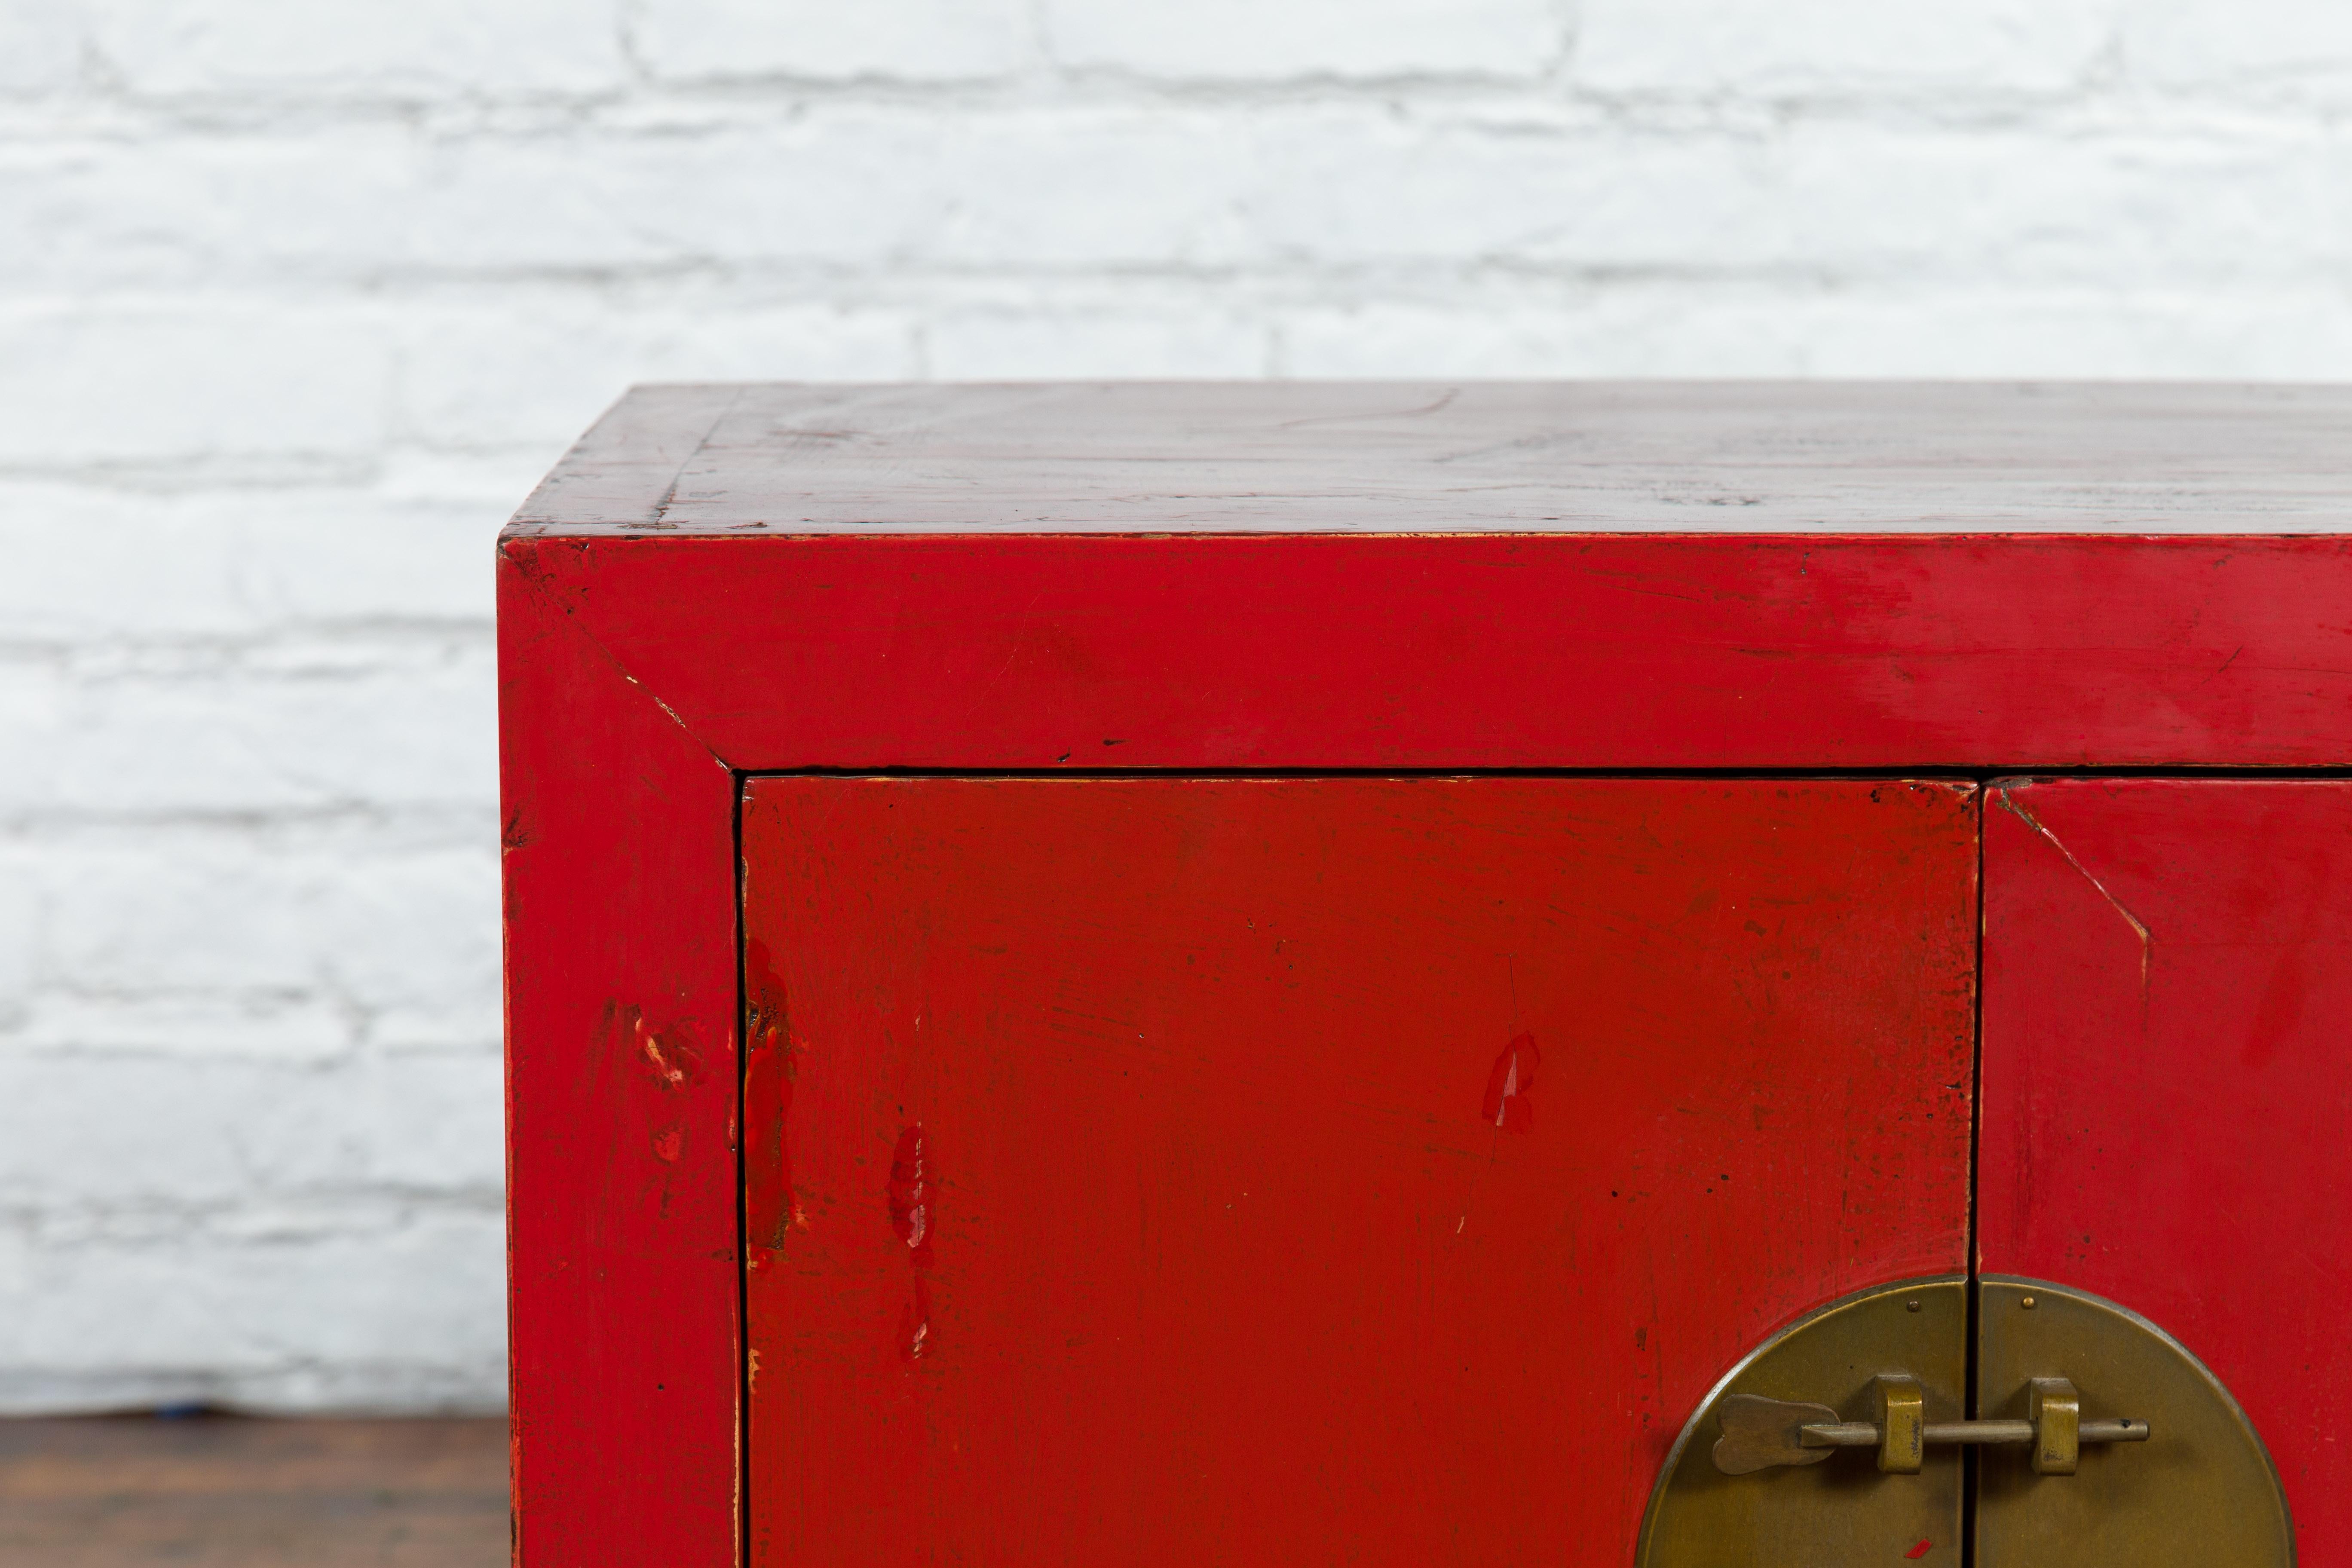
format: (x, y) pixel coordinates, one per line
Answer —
(1384, 457)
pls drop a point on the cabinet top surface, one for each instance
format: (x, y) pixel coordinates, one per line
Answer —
(1443, 456)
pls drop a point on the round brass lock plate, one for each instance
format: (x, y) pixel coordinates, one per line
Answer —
(2200, 1491)
(1841, 1510)
(2101, 1442)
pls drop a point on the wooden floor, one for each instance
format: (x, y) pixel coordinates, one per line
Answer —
(212, 1490)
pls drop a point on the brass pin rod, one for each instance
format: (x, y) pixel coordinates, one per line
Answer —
(1865, 1434)
(1839, 1435)
(2123, 1431)
(1980, 1432)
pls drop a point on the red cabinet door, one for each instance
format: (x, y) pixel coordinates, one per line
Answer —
(2168, 1084)
(1341, 1170)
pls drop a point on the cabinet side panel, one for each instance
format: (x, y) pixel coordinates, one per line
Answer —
(2168, 1084)
(1365, 1171)
(622, 1088)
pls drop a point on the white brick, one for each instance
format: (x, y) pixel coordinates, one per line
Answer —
(707, 40)
(349, 203)
(369, 1319)
(995, 346)
(218, 1134)
(87, 563)
(326, 555)
(868, 185)
(408, 936)
(430, 1125)
(1245, 40)
(2122, 209)
(33, 702)
(1840, 46)
(858, 185)
(1063, 188)
(418, 727)
(108, 384)
(1342, 185)
(540, 372)
(415, 939)
(353, 204)
(437, 1123)
(362, 47)
(1079, 187)
(207, 1025)
(82, 213)
(40, 46)
(1834, 197)
(2298, 48)
(209, 915)
(1706, 330)
(2262, 334)
(555, 203)
(20, 922)
(1654, 332)
(83, 562)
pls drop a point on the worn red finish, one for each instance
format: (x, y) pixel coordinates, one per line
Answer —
(1155, 1197)
(1476, 652)
(622, 1071)
(2167, 1084)
(647, 670)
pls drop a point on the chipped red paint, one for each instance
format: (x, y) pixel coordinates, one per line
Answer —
(914, 1326)
(769, 1211)
(1203, 1230)
(910, 1195)
(1509, 1083)
(1920, 1550)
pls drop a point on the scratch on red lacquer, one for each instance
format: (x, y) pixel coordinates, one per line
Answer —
(909, 1194)
(1506, 1105)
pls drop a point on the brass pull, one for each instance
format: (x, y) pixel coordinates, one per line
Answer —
(1760, 1433)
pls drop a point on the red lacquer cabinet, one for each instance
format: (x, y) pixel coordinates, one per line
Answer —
(1482, 974)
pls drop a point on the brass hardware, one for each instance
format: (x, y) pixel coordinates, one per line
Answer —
(1901, 1424)
(2055, 1411)
(2053, 1365)
(1811, 1511)
(1760, 1433)
(2203, 1490)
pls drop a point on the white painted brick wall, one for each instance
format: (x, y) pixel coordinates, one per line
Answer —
(296, 300)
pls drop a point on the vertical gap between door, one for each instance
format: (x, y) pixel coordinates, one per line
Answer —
(742, 1203)
(1976, 1138)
